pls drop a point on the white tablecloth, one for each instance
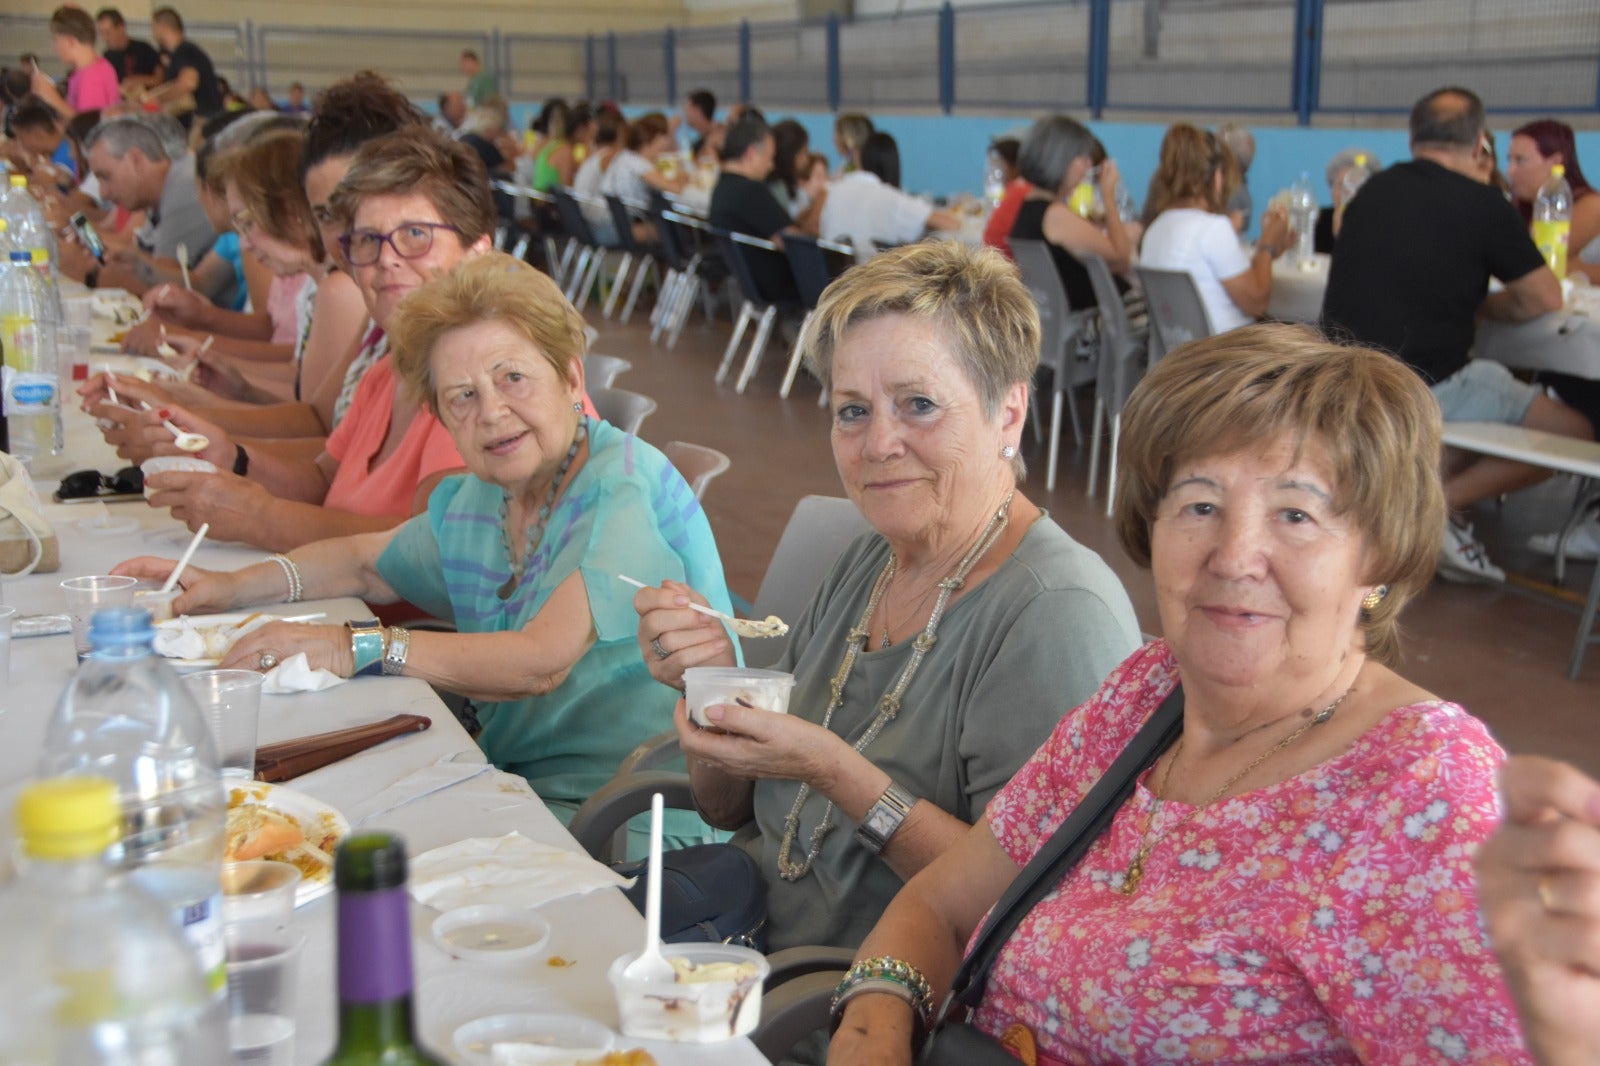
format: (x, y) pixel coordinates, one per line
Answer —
(589, 931)
(1297, 292)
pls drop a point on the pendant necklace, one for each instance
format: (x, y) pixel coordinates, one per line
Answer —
(535, 531)
(889, 703)
(1147, 843)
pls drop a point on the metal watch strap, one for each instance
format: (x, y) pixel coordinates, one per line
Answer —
(883, 818)
(394, 659)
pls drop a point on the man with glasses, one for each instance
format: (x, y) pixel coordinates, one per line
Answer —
(1411, 273)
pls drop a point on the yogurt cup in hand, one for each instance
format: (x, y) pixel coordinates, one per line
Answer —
(704, 686)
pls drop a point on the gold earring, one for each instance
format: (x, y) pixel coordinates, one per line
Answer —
(1370, 601)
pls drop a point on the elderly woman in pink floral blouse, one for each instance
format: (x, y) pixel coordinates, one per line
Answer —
(1291, 880)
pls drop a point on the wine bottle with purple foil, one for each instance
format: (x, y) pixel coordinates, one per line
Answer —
(376, 1016)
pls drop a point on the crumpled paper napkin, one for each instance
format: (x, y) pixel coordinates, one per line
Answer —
(295, 674)
(511, 871)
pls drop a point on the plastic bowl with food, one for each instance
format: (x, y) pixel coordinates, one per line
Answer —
(716, 994)
(170, 464)
(766, 690)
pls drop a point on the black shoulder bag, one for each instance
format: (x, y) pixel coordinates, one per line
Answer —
(955, 1042)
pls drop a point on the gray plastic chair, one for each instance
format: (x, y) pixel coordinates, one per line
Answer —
(623, 409)
(600, 823)
(698, 464)
(600, 371)
(1120, 369)
(1177, 314)
(1061, 348)
(820, 528)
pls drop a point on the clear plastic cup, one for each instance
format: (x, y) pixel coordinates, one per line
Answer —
(86, 595)
(766, 690)
(230, 700)
(158, 603)
(716, 1005)
(258, 906)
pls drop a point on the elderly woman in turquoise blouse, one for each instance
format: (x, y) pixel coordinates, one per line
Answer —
(522, 553)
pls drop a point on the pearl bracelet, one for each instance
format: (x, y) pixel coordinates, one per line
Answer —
(291, 574)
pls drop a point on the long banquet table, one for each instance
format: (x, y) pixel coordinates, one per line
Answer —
(589, 931)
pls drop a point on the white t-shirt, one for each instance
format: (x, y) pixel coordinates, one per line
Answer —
(625, 177)
(863, 210)
(1206, 247)
(586, 182)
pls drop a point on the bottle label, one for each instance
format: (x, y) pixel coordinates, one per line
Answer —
(1551, 238)
(20, 336)
(374, 946)
(28, 393)
(201, 923)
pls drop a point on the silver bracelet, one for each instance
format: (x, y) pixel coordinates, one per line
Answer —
(291, 574)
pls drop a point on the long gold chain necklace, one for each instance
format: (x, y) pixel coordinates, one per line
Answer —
(889, 703)
(1147, 843)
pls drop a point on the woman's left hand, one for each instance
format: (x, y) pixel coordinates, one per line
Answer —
(751, 743)
(230, 504)
(326, 647)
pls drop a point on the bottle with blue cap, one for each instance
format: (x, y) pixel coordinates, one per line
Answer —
(94, 974)
(127, 716)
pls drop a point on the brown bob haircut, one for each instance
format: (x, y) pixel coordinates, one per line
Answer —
(1364, 414)
(420, 160)
(265, 172)
(492, 287)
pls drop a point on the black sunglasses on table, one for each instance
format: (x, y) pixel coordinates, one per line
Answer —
(93, 485)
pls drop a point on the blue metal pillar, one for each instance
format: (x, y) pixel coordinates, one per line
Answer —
(835, 78)
(744, 61)
(614, 90)
(1307, 83)
(669, 61)
(947, 58)
(1099, 55)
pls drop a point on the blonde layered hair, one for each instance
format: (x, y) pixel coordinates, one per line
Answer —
(493, 287)
(1365, 414)
(975, 299)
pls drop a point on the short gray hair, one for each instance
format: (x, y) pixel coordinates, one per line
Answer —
(1347, 159)
(121, 135)
(1051, 146)
(171, 132)
(1240, 141)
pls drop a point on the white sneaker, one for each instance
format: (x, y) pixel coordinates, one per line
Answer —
(1462, 558)
(1584, 544)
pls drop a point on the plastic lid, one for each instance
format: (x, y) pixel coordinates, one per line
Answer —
(370, 862)
(119, 626)
(39, 255)
(1558, 171)
(19, 181)
(19, 255)
(69, 817)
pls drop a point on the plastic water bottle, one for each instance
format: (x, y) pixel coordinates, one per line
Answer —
(29, 229)
(1355, 175)
(94, 972)
(994, 180)
(32, 387)
(1303, 211)
(127, 716)
(1552, 220)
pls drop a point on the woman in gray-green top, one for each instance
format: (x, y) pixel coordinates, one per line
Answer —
(955, 634)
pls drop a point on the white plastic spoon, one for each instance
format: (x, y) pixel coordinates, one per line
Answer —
(183, 263)
(651, 965)
(186, 441)
(771, 626)
(183, 560)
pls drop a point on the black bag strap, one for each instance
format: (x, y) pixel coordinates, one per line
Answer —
(1063, 850)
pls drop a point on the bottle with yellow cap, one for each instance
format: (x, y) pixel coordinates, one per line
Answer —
(1552, 220)
(94, 972)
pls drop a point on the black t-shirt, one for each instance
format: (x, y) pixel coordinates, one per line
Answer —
(138, 58)
(207, 94)
(1415, 254)
(493, 159)
(1029, 225)
(740, 205)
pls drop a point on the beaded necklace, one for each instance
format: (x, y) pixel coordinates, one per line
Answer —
(535, 531)
(889, 703)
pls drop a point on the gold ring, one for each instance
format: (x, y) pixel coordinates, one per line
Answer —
(1545, 899)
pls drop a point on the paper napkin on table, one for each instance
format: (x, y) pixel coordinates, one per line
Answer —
(295, 674)
(511, 871)
(414, 786)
